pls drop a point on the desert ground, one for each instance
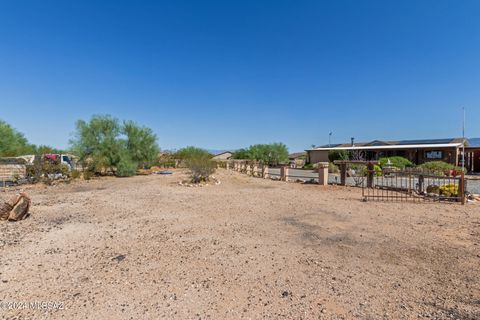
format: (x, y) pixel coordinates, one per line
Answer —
(148, 248)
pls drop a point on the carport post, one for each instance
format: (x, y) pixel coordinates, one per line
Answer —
(323, 173)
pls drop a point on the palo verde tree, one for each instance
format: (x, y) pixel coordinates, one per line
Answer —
(104, 144)
(141, 143)
(12, 142)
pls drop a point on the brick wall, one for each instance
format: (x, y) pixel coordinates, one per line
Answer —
(9, 171)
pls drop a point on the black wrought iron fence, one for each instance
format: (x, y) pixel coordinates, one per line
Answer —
(413, 185)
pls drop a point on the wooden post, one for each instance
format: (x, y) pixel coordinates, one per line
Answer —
(343, 174)
(370, 174)
(323, 173)
(461, 188)
(284, 173)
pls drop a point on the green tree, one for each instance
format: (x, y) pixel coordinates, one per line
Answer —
(12, 142)
(104, 144)
(397, 162)
(271, 154)
(241, 154)
(192, 152)
(141, 143)
(97, 143)
(43, 149)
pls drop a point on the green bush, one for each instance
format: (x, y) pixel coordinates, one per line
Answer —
(46, 171)
(309, 166)
(378, 170)
(397, 162)
(439, 167)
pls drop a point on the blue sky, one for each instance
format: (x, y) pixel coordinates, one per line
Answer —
(227, 74)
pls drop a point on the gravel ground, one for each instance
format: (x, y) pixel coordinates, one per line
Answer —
(147, 248)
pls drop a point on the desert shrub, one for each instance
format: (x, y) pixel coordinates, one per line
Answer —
(87, 174)
(397, 162)
(309, 166)
(199, 161)
(166, 161)
(46, 171)
(439, 167)
(357, 172)
(333, 168)
(75, 174)
(378, 170)
(201, 168)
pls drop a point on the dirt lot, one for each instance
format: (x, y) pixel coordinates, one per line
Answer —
(148, 248)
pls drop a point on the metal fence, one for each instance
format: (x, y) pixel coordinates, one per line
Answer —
(413, 185)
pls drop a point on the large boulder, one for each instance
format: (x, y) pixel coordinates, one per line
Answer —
(16, 208)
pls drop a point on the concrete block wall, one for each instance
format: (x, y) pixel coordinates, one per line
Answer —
(8, 172)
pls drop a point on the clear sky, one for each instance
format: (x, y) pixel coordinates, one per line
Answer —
(227, 74)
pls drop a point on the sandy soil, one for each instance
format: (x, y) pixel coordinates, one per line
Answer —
(148, 248)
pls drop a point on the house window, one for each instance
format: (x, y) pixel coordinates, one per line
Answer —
(434, 154)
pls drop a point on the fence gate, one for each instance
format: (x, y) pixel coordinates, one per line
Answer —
(414, 185)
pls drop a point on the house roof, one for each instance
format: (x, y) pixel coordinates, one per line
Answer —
(218, 154)
(296, 155)
(474, 142)
(401, 144)
(385, 147)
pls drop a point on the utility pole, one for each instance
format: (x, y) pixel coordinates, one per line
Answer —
(463, 141)
(330, 139)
